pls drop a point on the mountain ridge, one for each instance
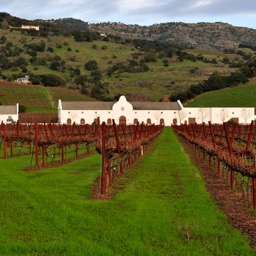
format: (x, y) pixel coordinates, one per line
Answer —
(201, 35)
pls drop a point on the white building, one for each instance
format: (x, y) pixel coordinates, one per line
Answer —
(23, 80)
(9, 114)
(30, 27)
(166, 113)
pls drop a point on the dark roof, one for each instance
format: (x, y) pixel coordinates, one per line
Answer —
(5, 110)
(92, 105)
(155, 106)
(99, 105)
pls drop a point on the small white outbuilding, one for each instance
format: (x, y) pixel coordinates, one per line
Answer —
(9, 114)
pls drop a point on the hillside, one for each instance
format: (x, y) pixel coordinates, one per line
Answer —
(198, 35)
(244, 95)
(70, 53)
(202, 35)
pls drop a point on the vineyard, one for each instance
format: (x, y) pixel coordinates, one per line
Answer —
(54, 144)
(230, 150)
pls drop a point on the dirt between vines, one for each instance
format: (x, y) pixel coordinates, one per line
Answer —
(230, 203)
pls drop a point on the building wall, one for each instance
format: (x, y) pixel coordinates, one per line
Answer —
(9, 118)
(123, 108)
(218, 115)
(29, 27)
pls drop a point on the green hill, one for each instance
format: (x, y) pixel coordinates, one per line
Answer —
(104, 67)
(69, 54)
(241, 96)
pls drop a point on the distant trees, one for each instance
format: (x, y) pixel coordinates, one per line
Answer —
(84, 36)
(47, 80)
(215, 82)
(37, 47)
(131, 66)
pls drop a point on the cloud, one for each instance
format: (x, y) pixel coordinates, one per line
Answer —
(127, 11)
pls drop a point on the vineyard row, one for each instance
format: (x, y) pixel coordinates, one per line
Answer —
(54, 144)
(229, 146)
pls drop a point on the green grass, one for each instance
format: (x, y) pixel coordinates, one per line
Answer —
(241, 96)
(163, 210)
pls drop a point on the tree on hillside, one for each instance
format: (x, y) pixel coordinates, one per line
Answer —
(51, 80)
(91, 65)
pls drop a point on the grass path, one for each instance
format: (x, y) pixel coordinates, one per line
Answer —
(163, 210)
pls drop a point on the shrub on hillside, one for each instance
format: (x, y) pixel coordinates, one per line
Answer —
(91, 65)
(47, 80)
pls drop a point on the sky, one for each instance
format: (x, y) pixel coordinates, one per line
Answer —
(141, 12)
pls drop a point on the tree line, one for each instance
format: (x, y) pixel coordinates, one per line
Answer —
(217, 81)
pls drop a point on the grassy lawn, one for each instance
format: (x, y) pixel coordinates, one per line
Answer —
(163, 210)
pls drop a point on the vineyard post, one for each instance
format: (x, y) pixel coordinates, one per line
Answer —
(43, 154)
(17, 129)
(104, 159)
(36, 145)
(249, 140)
(212, 134)
(109, 173)
(118, 149)
(231, 154)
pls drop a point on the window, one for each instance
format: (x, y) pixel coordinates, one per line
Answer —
(9, 119)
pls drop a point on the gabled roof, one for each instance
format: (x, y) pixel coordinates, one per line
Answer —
(80, 105)
(155, 106)
(8, 110)
(92, 105)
